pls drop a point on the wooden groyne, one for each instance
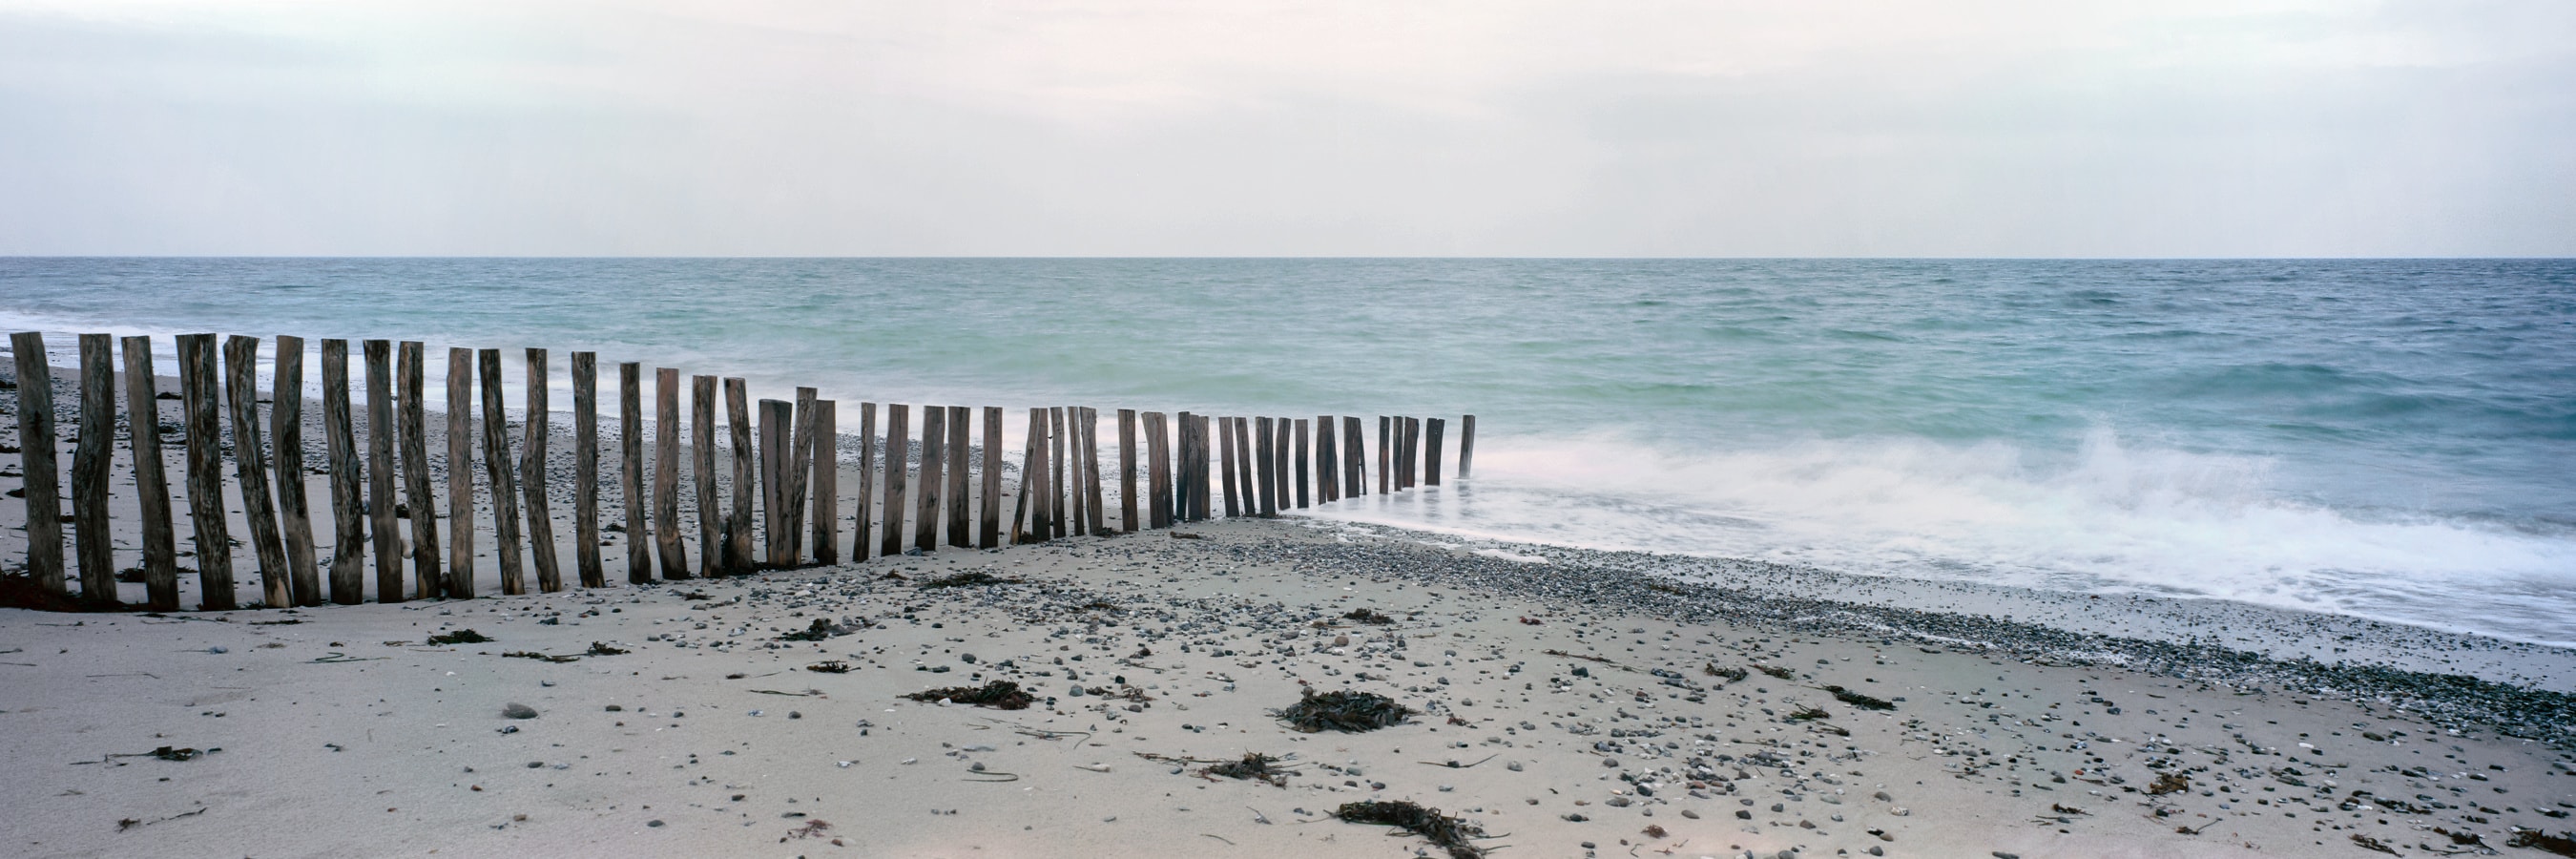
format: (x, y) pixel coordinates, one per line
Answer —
(914, 493)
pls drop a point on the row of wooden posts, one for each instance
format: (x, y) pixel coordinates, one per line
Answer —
(1262, 466)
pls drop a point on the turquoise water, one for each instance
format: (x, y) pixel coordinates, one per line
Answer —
(2390, 439)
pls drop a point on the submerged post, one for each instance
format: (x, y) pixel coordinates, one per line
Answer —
(160, 533)
(1431, 452)
(1328, 461)
(1466, 444)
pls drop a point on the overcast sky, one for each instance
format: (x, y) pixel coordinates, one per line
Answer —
(1206, 127)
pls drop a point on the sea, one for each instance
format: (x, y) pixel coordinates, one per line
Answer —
(2390, 439)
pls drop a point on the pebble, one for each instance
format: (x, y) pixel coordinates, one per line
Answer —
(516, 710)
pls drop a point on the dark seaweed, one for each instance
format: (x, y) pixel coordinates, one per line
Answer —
(999, 695)
(1447, 832)
(1343, 710)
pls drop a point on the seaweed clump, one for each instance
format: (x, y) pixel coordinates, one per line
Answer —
(1254, 766)
(462, 636)
(1732, 675)
(999, 695)
(1344, 710)
(1808, 713)
(1368, 616)
(1859, 700)
(1449, 833)
(2563, 844)
(971, 579)
(1776, 671)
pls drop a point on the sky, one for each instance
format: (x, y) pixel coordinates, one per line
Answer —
(1978, 128)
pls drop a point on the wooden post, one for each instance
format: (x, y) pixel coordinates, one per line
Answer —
(1267, 450)
(585, 470)
(957, 499)
(1225, 468)
(1466, 444)
(775, 439)
(712, 548)
(630, 450)
(826, 484)
(381, 441)
(1057, 498)
(250, 465)
(1177, 508)
(1431, 451)
(1304, 444)
(1280, 436)
(286, 427)
(160, 536)
(934, 459)
(507, 542)
(532, 473)
(1091, 484)
(1354, 457)
(1201, 481)
(989, 530)
(411, 364)
(864, 519)
(460, 474)
(1385, 449)
(213, 536)
(1243, 455)
(799, 471)
(1157, 503)
(37, 452)
(746, 485)
(1127, 472)
(1412, 452)
(340, 440)
(1328, 460)
(1036, 486)
(668, 548)
(92, 456)
(898, 450)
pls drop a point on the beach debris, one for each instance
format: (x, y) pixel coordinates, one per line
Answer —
(1859, 700)
(1253, 767)
(167, 753)
(1367, 616)
(129, 823)
(1343, 710)
(1732, 675)
(1455, 765)
(815, 828)
(337, 656)
(2373, 844)
(603, 649)
(829, 666)
(968, 579)
(1805, 713)
(462, 636)
(1776, 671)
(2563, 844)
(999, 695)
(2169, 783)
(1654, 831)
(1449, 833)
(531, 654)
(819, 631)
(516, 710)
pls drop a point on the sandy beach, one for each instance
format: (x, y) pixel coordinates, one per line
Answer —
(1560, 703)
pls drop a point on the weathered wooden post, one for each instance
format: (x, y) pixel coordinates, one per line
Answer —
(1243, 456)
(460, 474)
(1354, 457)
(585, 470)
(1225, 442)
(286, 426)
(989, 528)
(712, 549)
(957, 499)
(630, 448)
(798, 470)
(1093, 500)
(160, 533)
(37, 451)
(775, 439)
(1411, 471)
(340, 442)
(746, 485)
(863, 520)
(410, 371)
(1280, 436)
(213, 536)
(507, 542)
(1267, 451)
(1328, 460)
(1466, 444)
(1431, 451)
(1037, 492)
(532, 471)
(934, 459)
(826, 483)
(668, 548)
(1157, 504)
(1304, 445)
(1058, 499)
(898, 450)
(92, 456)
(250, 466)
(1385, 454)
(1127, 472)
(382, 518)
